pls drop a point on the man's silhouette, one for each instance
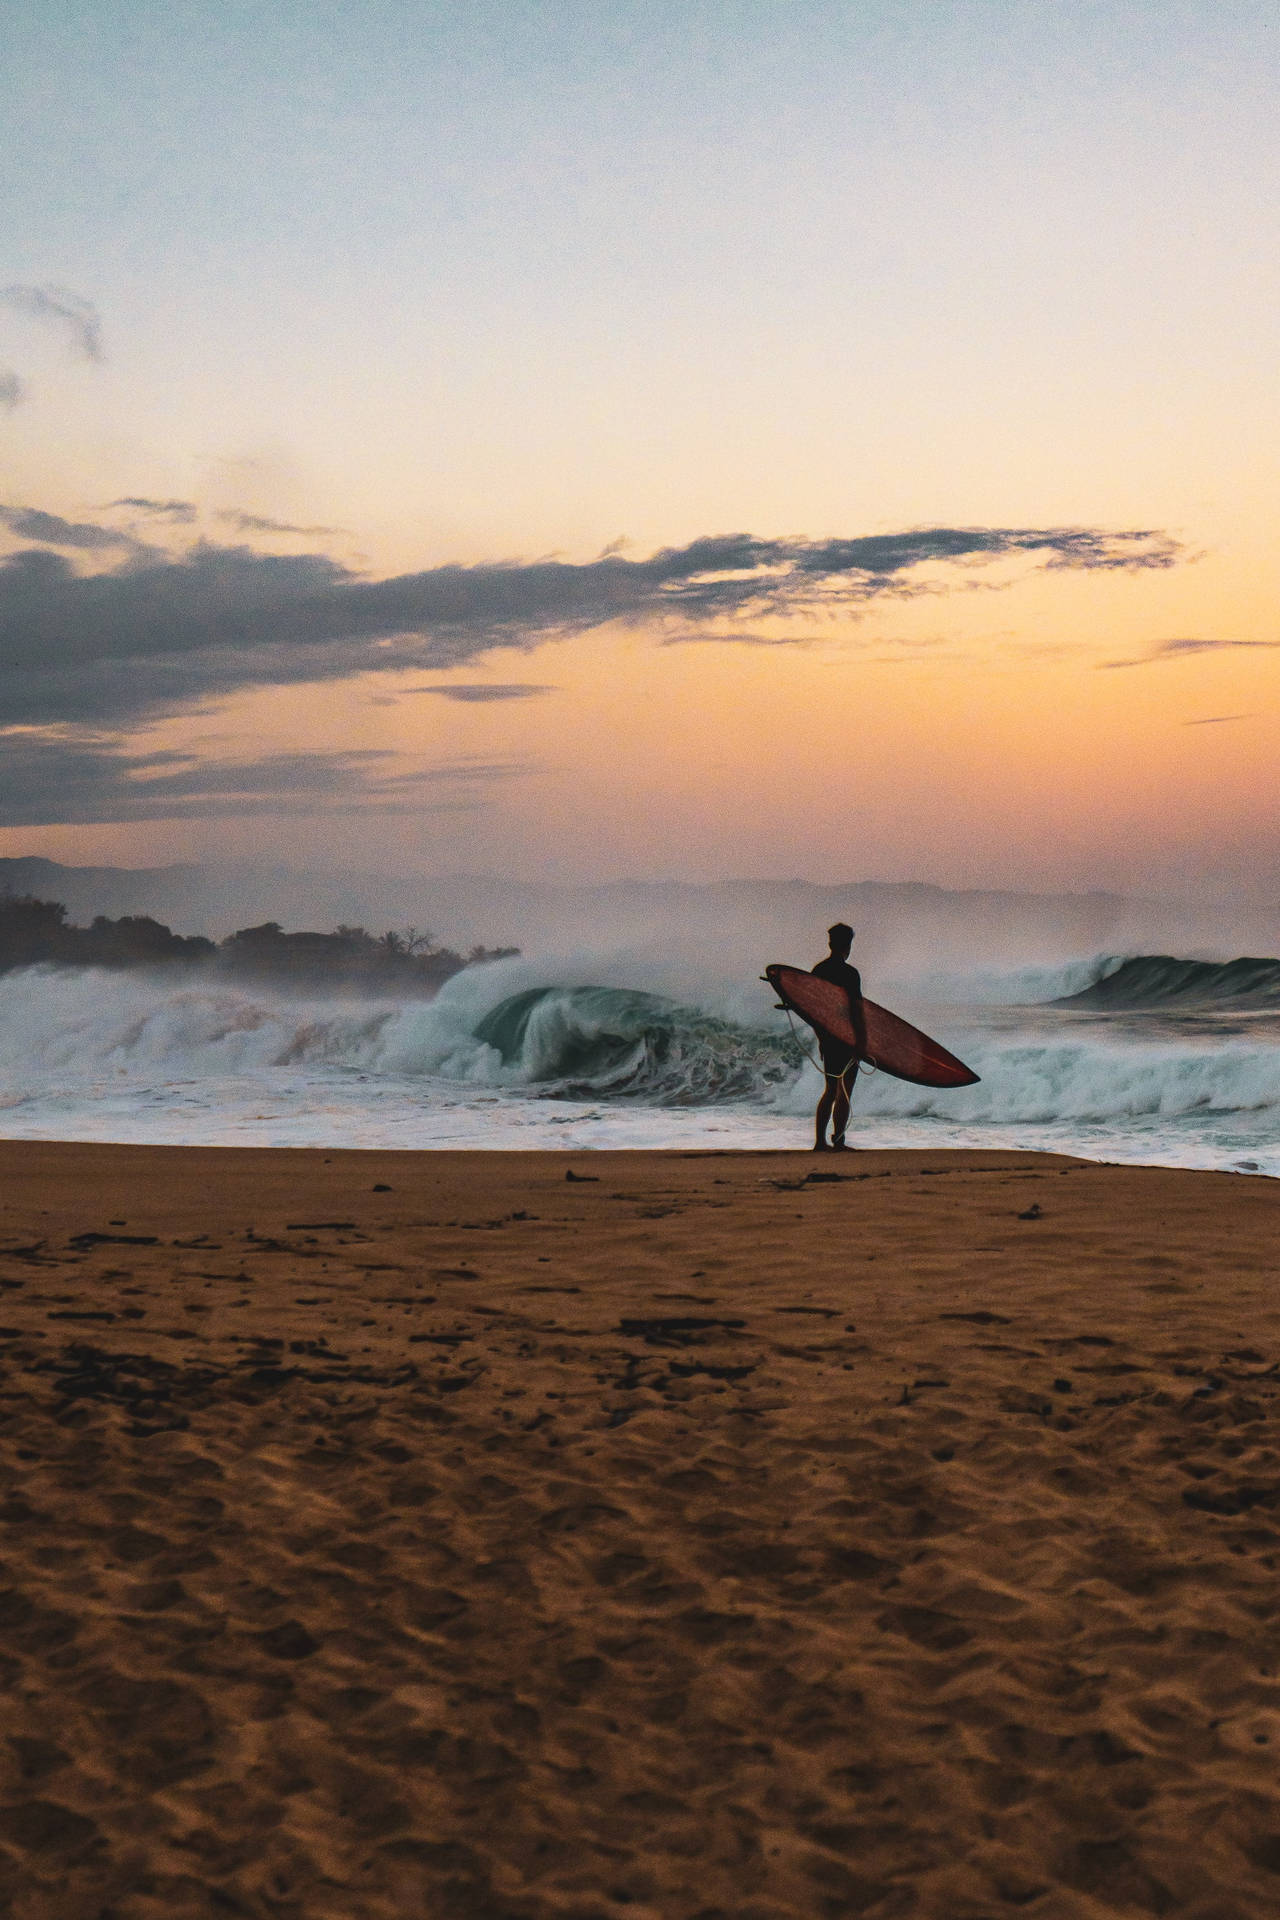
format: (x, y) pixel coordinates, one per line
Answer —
(839, 1062)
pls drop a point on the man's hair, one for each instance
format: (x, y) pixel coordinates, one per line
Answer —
(840, 935)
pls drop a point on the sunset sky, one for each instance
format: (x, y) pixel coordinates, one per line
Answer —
(690, 438)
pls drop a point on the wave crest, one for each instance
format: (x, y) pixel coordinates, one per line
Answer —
(617, 1040)
(1162, 980)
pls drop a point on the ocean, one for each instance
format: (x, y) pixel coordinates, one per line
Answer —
(1125, 1058)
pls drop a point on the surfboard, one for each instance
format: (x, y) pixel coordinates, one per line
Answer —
(893, 1045)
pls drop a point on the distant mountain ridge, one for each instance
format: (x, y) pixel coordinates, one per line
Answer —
(904, 927)
(208, 898)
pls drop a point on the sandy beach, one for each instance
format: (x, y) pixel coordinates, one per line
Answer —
(688, 1536)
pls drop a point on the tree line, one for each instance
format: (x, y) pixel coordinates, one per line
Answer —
(38, 933)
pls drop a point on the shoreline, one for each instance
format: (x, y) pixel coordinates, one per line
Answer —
(526, 1534)
(562, 1153)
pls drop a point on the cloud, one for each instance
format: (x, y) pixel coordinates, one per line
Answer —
(158, 634)
(1172, 649)
(1179, 649)
(258, 523)
(79, 317)
(1216, 719)
(12, 390)
(72, 777)
(180, 512)
(484, 691)
(51, 530)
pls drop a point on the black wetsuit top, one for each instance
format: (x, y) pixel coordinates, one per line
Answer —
(836, 1056)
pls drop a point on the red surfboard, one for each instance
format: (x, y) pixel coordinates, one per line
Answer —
(893, 1045)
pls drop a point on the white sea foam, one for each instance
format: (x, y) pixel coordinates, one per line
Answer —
(517, 1054)
(1022, 986)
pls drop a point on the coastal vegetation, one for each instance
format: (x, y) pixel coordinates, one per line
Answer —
(38, 933)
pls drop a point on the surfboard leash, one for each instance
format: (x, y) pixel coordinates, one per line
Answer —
(868, 1064)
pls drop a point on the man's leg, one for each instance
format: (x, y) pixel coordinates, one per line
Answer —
(823, 1114)
(840, 1106)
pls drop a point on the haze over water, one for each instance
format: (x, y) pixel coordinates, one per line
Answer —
(651, 1028)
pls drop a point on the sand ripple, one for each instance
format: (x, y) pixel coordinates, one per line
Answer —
(392, 1535)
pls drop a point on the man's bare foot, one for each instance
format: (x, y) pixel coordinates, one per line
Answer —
(820, 1146)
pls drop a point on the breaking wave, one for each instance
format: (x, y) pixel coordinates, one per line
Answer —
(1043, 1080)
(1024, 986)
(1157, 980)
(72, 1036)
(614, 1039)
(552, 1039)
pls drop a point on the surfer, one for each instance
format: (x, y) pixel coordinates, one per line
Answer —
(839, 1062)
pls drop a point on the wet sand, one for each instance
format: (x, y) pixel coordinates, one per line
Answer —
(687, 1536)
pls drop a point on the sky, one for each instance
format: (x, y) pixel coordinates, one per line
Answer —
(679, 439)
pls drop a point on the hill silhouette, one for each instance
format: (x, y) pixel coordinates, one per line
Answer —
(37, 932)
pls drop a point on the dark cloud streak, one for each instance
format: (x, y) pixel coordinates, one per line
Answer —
(159, 634)
(1182, 649)
(259, 523)
(79, 317)
(483, 691)
(78, 779)
(180, 512)
(51, 530)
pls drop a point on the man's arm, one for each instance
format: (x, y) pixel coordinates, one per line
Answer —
(857, 1016)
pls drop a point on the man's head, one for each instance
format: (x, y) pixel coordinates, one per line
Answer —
(841, 938)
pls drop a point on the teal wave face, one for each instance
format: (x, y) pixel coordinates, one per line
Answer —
(1161, 980)
(617, 1040)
